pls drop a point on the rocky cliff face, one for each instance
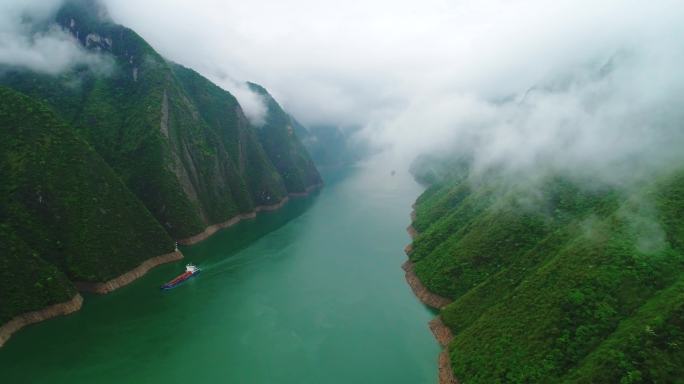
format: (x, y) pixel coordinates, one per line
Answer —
(279, 139)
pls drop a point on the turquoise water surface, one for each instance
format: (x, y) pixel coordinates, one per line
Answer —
(312, 293)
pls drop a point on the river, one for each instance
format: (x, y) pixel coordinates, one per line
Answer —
(312, 293)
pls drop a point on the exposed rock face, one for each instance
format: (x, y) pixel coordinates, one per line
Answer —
(428, 298)
(272, 207)
(129, 276)
(210, 230)
(164, 124)
(441, 332)
(444, 336)
(446, 374)
(307, 191)
(412, 231)
(19, 322)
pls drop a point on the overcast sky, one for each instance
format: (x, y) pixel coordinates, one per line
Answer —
(528, 83)
(50, 51)
(606, 77)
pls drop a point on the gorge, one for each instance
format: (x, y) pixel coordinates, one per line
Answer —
(374, 192)
(289, 297)
(104, 167)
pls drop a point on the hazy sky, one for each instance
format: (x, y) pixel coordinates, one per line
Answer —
(526, 83)
(50, 51)
(427, 74)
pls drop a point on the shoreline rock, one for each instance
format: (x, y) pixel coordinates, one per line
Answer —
(28, 318)
(128, 277)
(210, 230)
(307, 191)
(73, 305)
(424, 295)
(412, 231)
(446, 374)
(442, 333)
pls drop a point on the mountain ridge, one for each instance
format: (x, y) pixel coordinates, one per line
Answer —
(557, 281)
(137, 153)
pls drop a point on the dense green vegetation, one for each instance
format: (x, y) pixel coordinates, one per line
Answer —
(27, 282)
(556, 280)
(104, 164)
(66, 214)
(258, 179)
(179, 142)
(286, 152)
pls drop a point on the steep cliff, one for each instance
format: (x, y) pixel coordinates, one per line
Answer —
(280, 141)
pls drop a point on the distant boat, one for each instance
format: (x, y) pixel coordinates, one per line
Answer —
(190, 271)
(393, 172)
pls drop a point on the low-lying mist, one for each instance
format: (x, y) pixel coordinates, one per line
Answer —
(529, 86)
(29, 39)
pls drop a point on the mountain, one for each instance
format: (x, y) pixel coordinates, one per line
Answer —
(284, 149)
(180, 143)
(106, 164)
(66, 215)
(333, 147)
(560, 280)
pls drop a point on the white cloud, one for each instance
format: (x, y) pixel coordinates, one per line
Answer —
(251, 102)
(517, 82)
(49, 50)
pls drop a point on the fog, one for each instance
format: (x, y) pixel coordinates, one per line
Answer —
(529, 85)
(48, 50)
(526, 84)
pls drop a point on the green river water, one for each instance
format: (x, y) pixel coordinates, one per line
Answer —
(312, 293)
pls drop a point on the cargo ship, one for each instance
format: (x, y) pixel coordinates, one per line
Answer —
(190, 271)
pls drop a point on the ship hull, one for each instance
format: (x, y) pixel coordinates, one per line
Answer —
(179, 280)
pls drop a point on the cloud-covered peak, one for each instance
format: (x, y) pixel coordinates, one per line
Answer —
(30, 38)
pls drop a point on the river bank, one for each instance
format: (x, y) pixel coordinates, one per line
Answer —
(28, 318)
(210, 230)
(130, 276)
(73, 305)
(442, 333)
(17, 323)
(424, 295)
(294, 292)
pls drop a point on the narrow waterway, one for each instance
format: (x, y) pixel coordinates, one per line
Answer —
(313, 293)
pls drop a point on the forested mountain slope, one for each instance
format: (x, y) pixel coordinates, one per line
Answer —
(66, 215)
(284, 149)
(179, 142)
(556, 280)
(106, 164)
